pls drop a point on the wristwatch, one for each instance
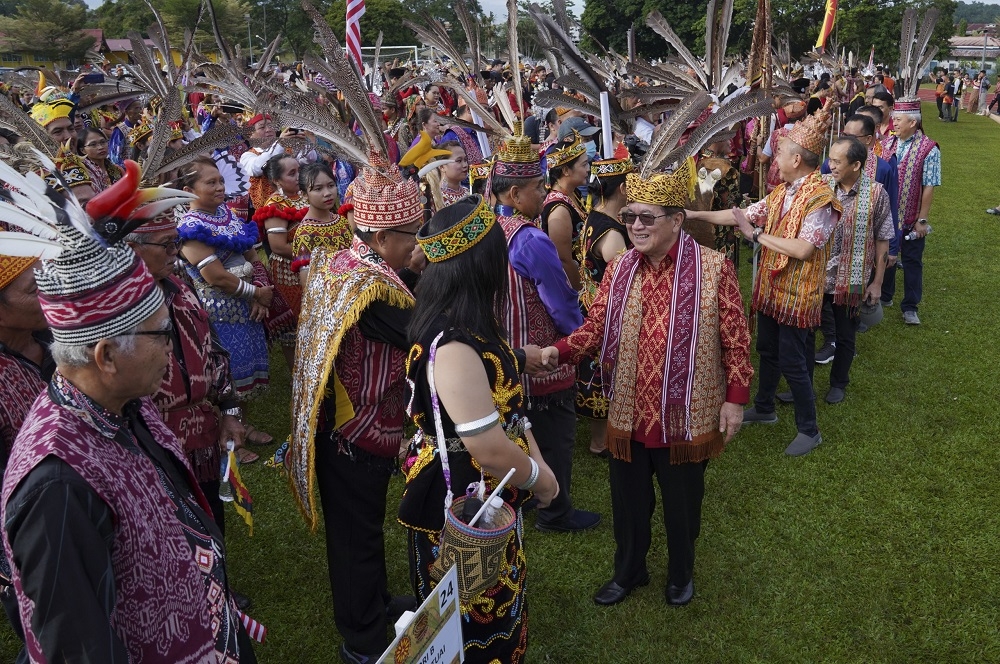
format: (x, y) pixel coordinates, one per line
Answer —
(757, 233)
(233, 412)
(921, 221)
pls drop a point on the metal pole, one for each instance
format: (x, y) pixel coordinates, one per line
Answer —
(986, 36)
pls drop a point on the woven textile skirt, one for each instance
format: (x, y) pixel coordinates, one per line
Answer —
(287, 283)
(242, 337)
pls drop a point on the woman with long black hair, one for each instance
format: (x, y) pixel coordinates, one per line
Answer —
(604, 236)
(456, 328)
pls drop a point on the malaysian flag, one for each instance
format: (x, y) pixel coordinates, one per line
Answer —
(355, 10)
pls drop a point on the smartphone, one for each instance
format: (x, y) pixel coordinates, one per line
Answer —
(93, 78)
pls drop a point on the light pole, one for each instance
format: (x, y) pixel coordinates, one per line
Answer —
(986, 37)
(249, 38)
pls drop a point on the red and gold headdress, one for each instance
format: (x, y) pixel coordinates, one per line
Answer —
(88, 290)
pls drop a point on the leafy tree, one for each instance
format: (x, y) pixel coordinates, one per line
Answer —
(269, 17)
(976, 12)
(118, 17)
(49, 28)
(385, 16)
(608, 23)
(963, 26)
(860, 24)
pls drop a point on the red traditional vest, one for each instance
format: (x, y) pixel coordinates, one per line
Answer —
(331, 348)
(162, 612)
(183, 397)
(528, 322)
(911, 180)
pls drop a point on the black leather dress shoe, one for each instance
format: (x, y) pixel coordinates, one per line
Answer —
(612, 593)
(680, 595)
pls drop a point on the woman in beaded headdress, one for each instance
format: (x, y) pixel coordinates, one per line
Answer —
(277, 221)
(92, 145)
(457, 328)
(230, 280)
(604, 237)
(322, 226)
(563, 212)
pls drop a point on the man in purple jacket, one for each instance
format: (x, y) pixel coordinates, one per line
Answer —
(542, 307)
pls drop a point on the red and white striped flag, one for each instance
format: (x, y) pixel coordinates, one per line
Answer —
(355, 10)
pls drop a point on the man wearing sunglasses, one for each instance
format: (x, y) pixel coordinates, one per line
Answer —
(668, 323)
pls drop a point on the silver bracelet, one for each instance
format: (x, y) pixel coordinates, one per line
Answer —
(206, 261)
(533, 478)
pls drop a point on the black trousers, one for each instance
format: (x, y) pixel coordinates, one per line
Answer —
(353, 494)
(911, 258)
(790, 352)
(838, 326)
(554, 428)
(211, 491)
(633, 501)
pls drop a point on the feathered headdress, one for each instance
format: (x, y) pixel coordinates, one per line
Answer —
(88, 290)
(915, 53)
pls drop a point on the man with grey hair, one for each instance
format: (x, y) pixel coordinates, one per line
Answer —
(919, 164)
(139, 572)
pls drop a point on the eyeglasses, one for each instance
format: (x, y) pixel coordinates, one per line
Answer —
(844, 134)
(396, 230)
(96, 144)
(175, 245)
(166, 334)
(647, 219)
(163, 334)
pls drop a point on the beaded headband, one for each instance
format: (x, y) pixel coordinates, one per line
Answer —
(479, 171)
(516, 158)
(604, 168)
(12, 267)
(462, 236)
(139, 132)
(566, 154)
(906, 105)
(71, 169)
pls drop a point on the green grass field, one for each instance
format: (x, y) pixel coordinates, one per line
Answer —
(880, 546)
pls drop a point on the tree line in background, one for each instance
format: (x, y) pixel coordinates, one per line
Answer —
(50, 27)
(860, 25)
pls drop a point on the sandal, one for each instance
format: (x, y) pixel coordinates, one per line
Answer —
(245, 456)
(257, 437)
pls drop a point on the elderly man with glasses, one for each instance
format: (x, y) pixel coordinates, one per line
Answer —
(196, 398)
(675, 350)
(139, 569)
